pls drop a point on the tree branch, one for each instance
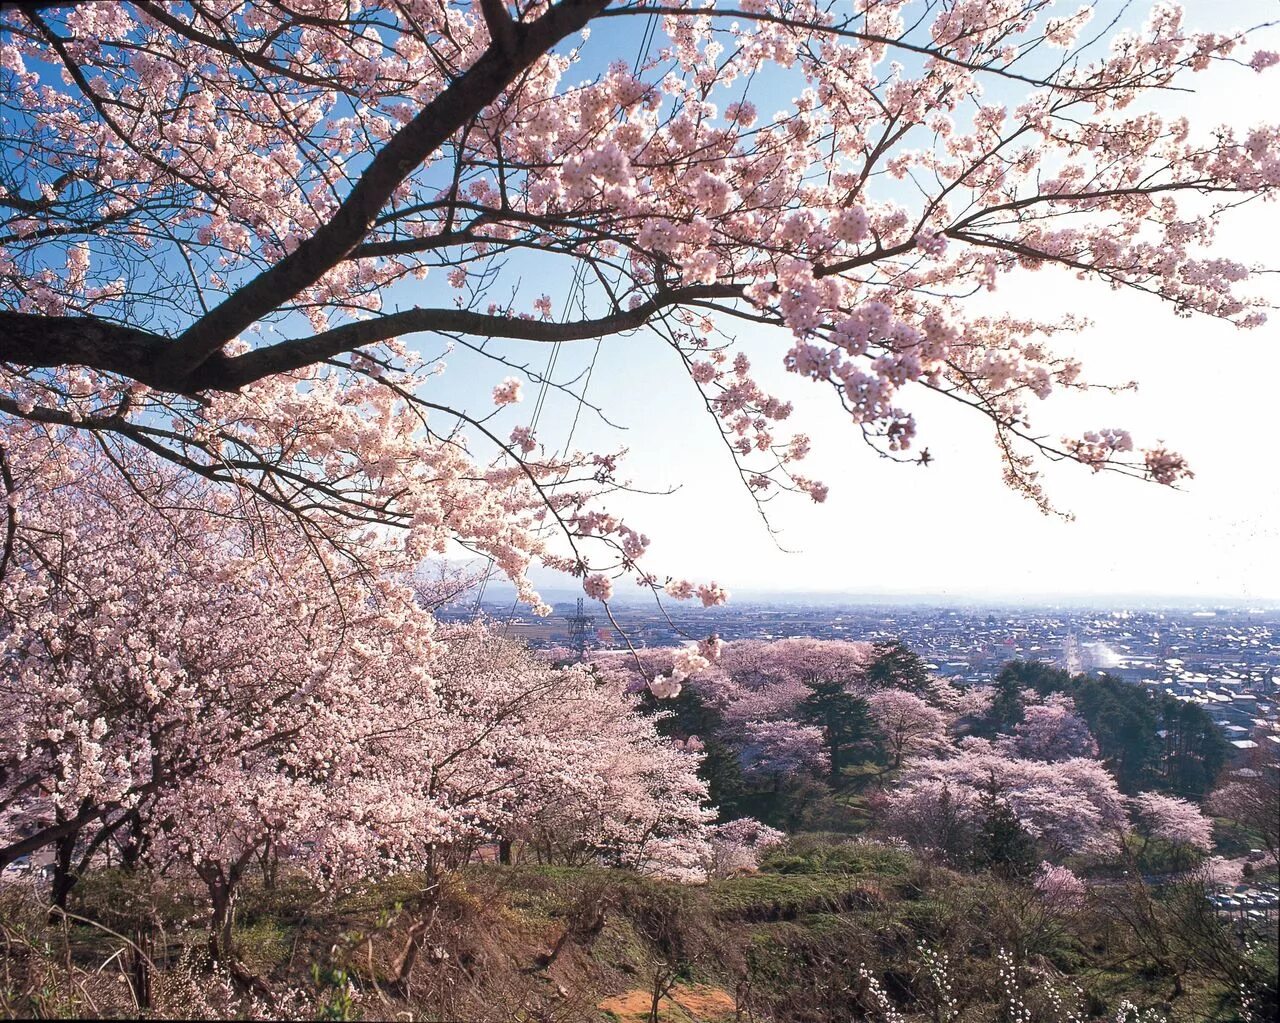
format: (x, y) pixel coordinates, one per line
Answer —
(479, 86)
(28, 339)
(502, 29)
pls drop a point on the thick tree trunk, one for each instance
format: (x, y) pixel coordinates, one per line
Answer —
(220, 921)
(140, 965)
(221, 918)
(504, 851)
(131, 848)
(269, 861)
(64, 878)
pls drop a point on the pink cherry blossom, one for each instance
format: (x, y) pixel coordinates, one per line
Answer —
(507, 392)
(1072, 806)
(1052, 731)
(598, 587)
(1173, 820)
(909, 725)
(1060, 887)
(736, 846)
(238, 273)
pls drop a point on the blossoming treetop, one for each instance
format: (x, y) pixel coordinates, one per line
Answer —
(203, 205)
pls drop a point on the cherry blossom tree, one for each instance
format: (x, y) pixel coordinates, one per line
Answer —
(187, 677)
(1072, 806)
(786, 668)
(783, 746)
(908, 725)
(1051, 730)
(763, 694)
(973, 701)
(207, 692)
(737, 846)
(562, 760)
(213, 219)
(663, 671)
(1250, 797)
(1060, 888)
(787, 693)
(1066, 805)
(1172, 820)
(757, 691)
(769, 701)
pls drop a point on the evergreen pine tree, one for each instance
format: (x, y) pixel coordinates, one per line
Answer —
(897, 666)
(1002, 847)
(843, 717)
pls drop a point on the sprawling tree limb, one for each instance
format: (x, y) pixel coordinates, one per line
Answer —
(29, 339)
(474, 90)
(43, 341)
(279, 179)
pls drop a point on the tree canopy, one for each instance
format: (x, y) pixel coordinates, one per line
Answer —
(213, 219)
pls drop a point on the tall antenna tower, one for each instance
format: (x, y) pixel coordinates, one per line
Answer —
(581, 625)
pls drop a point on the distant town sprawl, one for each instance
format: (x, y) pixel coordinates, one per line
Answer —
(1227, 659)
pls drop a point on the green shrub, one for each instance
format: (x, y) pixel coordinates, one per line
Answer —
(822, 853)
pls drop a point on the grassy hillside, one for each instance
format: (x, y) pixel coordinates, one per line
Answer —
(828, 930)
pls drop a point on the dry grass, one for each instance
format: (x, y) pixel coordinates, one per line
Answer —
(696, 1003)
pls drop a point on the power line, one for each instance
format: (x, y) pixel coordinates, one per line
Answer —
(646, 41)
(582, 397)
(577, 291)
(576, 286)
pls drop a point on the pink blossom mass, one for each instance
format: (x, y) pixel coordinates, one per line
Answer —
(287, 291)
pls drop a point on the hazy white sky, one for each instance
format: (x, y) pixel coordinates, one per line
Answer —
(1210, 392)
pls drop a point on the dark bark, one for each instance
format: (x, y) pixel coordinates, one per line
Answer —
(140, 956)
(221, 918)
(502, 29)
(64, 877)
(477, 87)
(53, 832)
(27, 339)
(134, 844)
(221, 883)
(222, 890)
(193, 362)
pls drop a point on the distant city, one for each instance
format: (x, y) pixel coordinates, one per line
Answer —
(1225, 658)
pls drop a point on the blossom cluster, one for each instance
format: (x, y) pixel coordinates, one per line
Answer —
(255, 134)
(214, 682)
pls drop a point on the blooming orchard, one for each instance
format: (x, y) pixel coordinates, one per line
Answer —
(776, 704)
(214, 218)
(240, 240)
(200, 689)
(204, 683)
